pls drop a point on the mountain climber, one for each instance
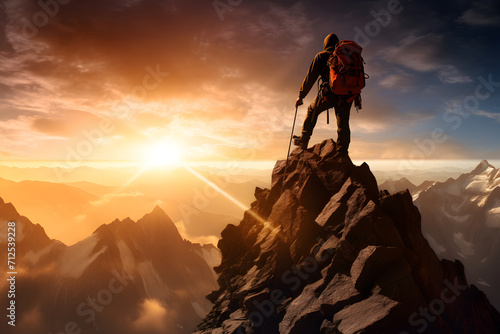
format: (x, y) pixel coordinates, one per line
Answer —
(326, 99)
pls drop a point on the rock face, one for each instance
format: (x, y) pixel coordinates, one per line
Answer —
(330, 254)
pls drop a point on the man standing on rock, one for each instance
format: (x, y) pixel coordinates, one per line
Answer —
(326, 99)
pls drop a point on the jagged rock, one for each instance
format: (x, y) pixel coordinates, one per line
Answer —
(323, 251)
(371, 263)
(370, 313)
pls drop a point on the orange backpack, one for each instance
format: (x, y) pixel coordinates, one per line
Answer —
(347, 73)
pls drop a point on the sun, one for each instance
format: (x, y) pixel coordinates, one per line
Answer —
(164, 153)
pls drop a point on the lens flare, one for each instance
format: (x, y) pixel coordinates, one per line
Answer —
(163, 154)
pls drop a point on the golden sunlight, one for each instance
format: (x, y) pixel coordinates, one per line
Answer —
(162, 154)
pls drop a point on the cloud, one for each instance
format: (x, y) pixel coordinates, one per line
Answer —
(152, 317)
(401, 80)
(229, 83)
(93, 56)
(450, 74)
(420, 53)
(485, 13)
(65, 123)
(51, 126)
(17, 136)
(201, 239)
(490, 115)
(280, 28)
(105, 199)
(90, 43)
(425, 53)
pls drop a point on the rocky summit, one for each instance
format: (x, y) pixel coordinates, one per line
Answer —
(326, 252)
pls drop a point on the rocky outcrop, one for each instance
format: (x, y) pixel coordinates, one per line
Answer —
(325, 252)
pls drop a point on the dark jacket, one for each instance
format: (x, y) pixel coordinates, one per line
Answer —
(319, 66)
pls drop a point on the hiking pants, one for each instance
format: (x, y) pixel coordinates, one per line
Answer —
(342, 112)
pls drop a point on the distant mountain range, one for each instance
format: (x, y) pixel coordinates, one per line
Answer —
(85, 205)
(394, 186)
(127, 277)
(417, 176)
(403, 184)
(461, 220)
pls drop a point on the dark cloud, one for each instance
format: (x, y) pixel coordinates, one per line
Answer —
(482, 13)
(5, 46)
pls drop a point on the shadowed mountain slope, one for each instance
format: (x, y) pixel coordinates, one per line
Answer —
(127, 277)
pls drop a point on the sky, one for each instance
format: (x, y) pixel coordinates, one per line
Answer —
(135, 80)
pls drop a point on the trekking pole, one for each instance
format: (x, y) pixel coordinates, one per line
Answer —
(288, 154)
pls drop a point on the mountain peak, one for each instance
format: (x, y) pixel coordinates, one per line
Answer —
(157, 215)
(158, 211)
(29, 236)
(322, 246)
(482, 167)
(8, 211)
(399, 185)
(157, 221)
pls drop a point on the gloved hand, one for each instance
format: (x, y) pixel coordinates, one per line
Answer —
(298, 102)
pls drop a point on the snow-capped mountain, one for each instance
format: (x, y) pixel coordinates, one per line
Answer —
(461, 219)
(127, 277)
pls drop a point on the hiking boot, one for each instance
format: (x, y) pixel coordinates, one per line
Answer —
(301, 142)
